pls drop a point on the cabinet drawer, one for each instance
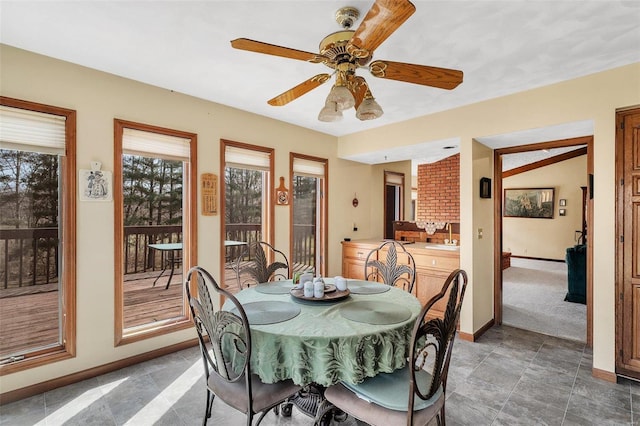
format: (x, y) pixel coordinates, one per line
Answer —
(355, 252)
(444, 263)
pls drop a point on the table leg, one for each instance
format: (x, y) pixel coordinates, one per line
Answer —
(162, 272)
(173, 265)
(311, 402)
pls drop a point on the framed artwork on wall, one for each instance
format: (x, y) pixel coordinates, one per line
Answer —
(529, 202)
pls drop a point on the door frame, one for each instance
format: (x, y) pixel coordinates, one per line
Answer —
(498, 200)
(399, 200)
(322, 212)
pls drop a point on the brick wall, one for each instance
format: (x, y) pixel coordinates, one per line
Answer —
(439, 190)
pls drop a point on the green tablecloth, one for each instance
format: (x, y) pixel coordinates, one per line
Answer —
(321, 346)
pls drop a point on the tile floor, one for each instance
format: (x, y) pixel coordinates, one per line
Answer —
(508, 377)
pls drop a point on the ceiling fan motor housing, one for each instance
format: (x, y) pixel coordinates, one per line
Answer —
(334, 47)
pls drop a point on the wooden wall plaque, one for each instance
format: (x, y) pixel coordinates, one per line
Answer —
(209, 203)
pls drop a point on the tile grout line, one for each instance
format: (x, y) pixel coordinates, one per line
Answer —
(519, 379)
(575, 378)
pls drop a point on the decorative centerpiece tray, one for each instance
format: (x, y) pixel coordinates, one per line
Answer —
(331, 295)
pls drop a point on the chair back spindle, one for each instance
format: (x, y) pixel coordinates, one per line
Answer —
(397, 270)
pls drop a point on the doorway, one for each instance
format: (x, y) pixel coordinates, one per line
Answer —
(393, 201)
(498, 206)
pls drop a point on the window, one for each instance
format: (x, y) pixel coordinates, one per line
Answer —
(37, 228)
(247, 201)
(155, 219)
(309, 213)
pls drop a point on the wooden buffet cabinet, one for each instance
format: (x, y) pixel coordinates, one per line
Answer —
(433, 266)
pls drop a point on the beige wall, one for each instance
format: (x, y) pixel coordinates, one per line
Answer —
(595, 97)
(99, 98)
(548, 238)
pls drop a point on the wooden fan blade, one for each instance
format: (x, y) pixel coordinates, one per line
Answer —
(358, 88)
(384, 17)
(272, 49)
(442, 78)
(299, 90)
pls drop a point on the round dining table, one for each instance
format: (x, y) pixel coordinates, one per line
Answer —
(359, 334)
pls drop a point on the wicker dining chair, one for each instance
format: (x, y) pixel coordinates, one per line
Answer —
(397, 270)
(382, 400)
(225, 346)
(252, 265)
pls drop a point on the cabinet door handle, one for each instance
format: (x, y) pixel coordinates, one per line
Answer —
(360, 254)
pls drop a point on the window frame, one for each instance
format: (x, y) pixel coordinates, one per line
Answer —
(67, 347)
(323, 208)
(268, 233)
(189, 235)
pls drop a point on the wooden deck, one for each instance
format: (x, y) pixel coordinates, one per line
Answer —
(29, 315)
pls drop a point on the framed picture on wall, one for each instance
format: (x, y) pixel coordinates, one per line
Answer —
(529, 202)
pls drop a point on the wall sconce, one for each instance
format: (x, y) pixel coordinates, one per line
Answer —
(485, 187)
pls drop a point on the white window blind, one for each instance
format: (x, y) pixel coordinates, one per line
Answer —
(306, 167)
(246, 158)
(393, 179)
(26, 130)
(149, 144)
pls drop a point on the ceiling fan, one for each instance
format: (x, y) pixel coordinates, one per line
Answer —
(348, 50)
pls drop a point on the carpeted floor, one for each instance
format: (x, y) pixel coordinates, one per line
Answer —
(533, 294)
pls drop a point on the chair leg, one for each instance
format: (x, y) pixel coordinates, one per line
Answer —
(441, 417)
(207, 413)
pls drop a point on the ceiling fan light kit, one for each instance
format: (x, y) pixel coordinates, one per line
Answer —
(346, 51)
(369, 109)
(339, 94)
(330, 113)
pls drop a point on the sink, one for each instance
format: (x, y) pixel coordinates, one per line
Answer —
(442, 246)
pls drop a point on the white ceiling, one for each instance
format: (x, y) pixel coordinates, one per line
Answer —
(503, 47)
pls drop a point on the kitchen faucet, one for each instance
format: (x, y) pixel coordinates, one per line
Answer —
(449, 228)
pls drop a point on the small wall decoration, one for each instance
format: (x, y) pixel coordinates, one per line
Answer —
(355, 201)
(563, 202)
(282, 193)
(95, 184)
(209, 202)
(485, 187)
(563, 212)
(529, 202)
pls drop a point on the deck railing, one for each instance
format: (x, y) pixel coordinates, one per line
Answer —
(29, 256)
(303, 255)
